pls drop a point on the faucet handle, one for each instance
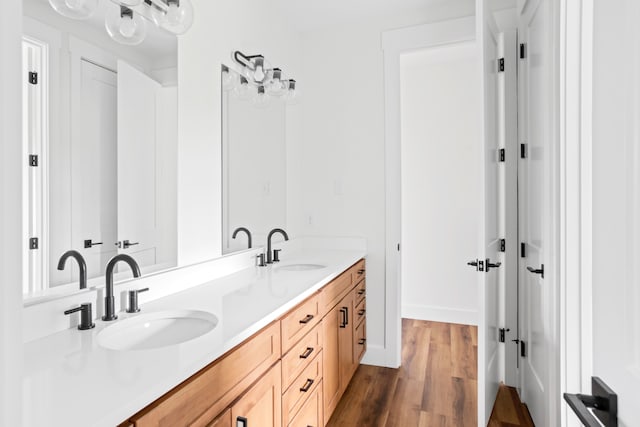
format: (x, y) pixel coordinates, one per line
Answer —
(261, 260)
(86, 316)
(276, 255)
(133, 300)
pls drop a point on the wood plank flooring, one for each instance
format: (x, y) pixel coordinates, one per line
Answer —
(435, 386)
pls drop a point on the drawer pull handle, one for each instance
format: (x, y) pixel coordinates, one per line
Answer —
(242, 422)
(307, 385)
(307, 319)
(345, 317)
(361, 271)
(361, 312)
(361, 292)
(306, 353)
(362, 341)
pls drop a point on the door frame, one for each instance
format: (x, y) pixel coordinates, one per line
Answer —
(576, 174)
(394, 44)
(12, 230)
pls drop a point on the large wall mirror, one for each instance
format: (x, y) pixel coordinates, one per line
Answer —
(254, 163)
(100, 121)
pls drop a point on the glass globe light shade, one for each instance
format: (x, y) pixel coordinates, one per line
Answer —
(261, 99)
(244, 90)
(125, 26)
(75, 9)
(175, 16)
(258, 73)
(230, 79)
(276, 85)
(292, 93)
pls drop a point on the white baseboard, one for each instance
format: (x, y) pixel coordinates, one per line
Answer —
(440, 314)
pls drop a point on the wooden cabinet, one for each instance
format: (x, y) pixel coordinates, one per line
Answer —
(290, 374)
(260, 406)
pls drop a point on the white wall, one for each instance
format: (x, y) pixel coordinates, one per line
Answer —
(339, 177)
(11, 234)
(220, 27)
(440, 105)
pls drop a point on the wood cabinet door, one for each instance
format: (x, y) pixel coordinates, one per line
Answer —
(261, 404)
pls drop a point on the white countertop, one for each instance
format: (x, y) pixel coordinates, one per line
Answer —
(70, 380)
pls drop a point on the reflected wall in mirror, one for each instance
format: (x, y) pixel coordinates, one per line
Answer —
(100, 127)
(254, 169)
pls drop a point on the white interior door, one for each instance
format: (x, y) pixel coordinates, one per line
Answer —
(488, 359)
(94, 200)
(535, 132)
(137, 165)
(616, 206)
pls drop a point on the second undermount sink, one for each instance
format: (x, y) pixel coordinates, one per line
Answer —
(301, 267)
(157, 329)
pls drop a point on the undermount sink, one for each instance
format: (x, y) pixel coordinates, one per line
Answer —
(157, 329)
(301, 267)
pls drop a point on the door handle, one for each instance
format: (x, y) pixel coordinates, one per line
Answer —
(603, 400)
(473, 263)
(490, 265)
(539, 271)
(126, 244)
(344, 323)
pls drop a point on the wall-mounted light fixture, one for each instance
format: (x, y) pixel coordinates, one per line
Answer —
(125, 20)
(258, 80)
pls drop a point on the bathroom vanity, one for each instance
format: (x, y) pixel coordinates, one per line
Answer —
(287, 340)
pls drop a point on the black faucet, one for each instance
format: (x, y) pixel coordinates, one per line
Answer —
(237, 230)
(81, 265)
(109, 300)
(271, 233)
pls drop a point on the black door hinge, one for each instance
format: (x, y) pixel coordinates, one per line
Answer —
(398, 247)
(523, 151)
(34, 243)
(503, 245)
(501, 65)
(523, 250)
(33, 77)
(501, 154)
(33, 160)
(523, 50)
(501, 334)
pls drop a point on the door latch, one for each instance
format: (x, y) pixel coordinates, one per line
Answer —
(491, 265)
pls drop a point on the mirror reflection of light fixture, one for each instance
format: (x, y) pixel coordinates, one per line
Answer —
(125, 20)
(257, 72)
(244, 90)
(230, 79)
(125, 26)
(75, 9)
(261, 99)
(175, 16)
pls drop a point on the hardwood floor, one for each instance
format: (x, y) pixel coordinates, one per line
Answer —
(435, 386)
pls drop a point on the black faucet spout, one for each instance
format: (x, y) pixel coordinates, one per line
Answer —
(245, 230)
(82, 265)
(109, 300)
(271, 233)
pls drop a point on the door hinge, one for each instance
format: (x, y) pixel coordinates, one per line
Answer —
(501, 154)
(523, 50)
(33, 77)
(523, 151)
(501, 334)
(503, 245)
(33, 160)
(501, 65)
(398, 247)
(34, 243)
(523, 250)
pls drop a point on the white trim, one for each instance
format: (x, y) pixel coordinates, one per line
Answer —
(440, 314)
(12, 231)
(394, 43)
(576, 200)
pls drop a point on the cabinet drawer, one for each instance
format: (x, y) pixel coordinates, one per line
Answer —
(223, 420)
(360, 312)
(300, 355)
(310, 415)
(359, 271)
(359, 341)
(299, 321)
(203, 396)
(301, 388)
(361, 291)
(335, 291)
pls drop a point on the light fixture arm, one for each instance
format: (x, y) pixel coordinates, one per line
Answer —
(247, 61)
